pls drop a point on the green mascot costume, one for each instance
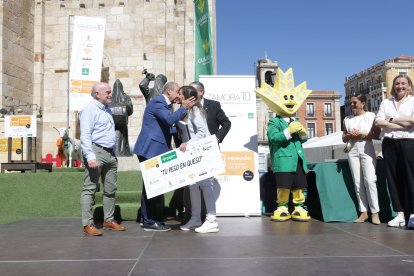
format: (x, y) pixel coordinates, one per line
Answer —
(286, 135)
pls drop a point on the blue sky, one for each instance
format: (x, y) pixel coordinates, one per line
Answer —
(324, 41)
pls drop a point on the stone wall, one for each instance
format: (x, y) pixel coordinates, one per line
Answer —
(153, 34)
(17, 53)
(16, 60)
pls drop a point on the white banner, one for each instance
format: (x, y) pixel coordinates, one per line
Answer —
(20, 126)
(86, 59)
(240, 191)
(176, 169)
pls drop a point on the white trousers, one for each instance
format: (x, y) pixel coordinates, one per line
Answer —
(206, 186)
(362, 162)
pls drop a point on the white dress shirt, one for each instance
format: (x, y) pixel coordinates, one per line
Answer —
(388, 109)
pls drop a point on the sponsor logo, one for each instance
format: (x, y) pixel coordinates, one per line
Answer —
(168, 157)
(85, 71)
(151, 163)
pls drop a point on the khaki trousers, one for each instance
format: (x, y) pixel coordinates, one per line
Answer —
(107, 171)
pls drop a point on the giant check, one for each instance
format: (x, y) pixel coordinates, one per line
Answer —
(176, 169)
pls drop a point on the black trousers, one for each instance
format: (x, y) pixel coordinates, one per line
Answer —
(149, 206)
(399, 165)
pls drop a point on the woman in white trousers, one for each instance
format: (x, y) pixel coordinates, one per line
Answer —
(358, 134)
(198, 129)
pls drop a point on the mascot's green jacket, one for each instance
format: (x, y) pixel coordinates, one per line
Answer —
(284, 153)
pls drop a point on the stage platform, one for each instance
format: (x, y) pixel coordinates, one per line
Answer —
(244, 246)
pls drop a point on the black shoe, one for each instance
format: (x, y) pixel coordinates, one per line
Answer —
(156, 226)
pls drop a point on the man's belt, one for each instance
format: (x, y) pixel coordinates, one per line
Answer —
(105, 149)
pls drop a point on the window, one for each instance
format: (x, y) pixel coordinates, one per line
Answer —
(310, 110)
(311, 130)
(361, 86)
(352, 90)
(403, 73)
(368, 83)
(328, 128)
(379, 79)
(328, 109)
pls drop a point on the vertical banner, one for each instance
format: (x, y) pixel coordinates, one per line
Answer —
(86, 59)
(238, 189)
(202, 41)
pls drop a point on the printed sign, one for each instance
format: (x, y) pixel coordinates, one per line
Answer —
(239, 186)
(176, 169)
(20, 126)
(86, 59)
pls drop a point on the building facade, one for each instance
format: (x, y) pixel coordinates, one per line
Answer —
(154, 34)
(321, 113)
(376, 81)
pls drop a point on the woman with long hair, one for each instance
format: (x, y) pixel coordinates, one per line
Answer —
(196, 120)
(358, 133)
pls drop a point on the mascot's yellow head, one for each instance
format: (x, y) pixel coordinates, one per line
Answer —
(284, 98)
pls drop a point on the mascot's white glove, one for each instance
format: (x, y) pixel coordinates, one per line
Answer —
(295, 127)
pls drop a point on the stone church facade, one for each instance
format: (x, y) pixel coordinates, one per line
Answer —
(35, 48)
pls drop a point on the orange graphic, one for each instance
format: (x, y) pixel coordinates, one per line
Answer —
(81, 86)
(237, 162)
(16, 121)
(16, 144)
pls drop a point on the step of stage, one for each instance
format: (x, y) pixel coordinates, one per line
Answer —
(123, 211)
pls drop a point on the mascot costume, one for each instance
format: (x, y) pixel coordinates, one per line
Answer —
(286, 135)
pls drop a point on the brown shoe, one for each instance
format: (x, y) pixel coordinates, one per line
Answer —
(112, 225)
(375, 219)
(91, 230)
(362, 218)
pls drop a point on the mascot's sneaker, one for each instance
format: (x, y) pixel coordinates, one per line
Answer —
(281, 214)
(300, 214)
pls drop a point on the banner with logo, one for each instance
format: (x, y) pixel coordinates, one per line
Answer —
(175, 169)
(20, 126)
(202, 40)
(239, 192)
(86, 59)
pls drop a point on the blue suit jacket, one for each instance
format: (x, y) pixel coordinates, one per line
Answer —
(155, 136)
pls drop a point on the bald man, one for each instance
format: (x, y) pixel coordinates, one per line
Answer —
(98, 142)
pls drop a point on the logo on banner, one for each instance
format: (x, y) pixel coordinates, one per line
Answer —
(152, 163)
(85, 71)
(168, 157)
(200, 6)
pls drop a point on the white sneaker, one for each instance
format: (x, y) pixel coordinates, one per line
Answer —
(208, 227)
(398, 222)
(191, 224)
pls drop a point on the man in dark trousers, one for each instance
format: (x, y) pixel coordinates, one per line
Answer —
(218, 124)
(154, 139)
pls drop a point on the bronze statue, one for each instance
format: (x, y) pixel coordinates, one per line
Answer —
(159, 83)
(121, 108)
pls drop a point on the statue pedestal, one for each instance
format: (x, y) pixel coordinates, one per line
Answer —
(128, 163)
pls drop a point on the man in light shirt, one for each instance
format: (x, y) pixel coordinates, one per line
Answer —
(98, 141)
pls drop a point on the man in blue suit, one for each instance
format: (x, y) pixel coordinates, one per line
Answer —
(155, 139)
